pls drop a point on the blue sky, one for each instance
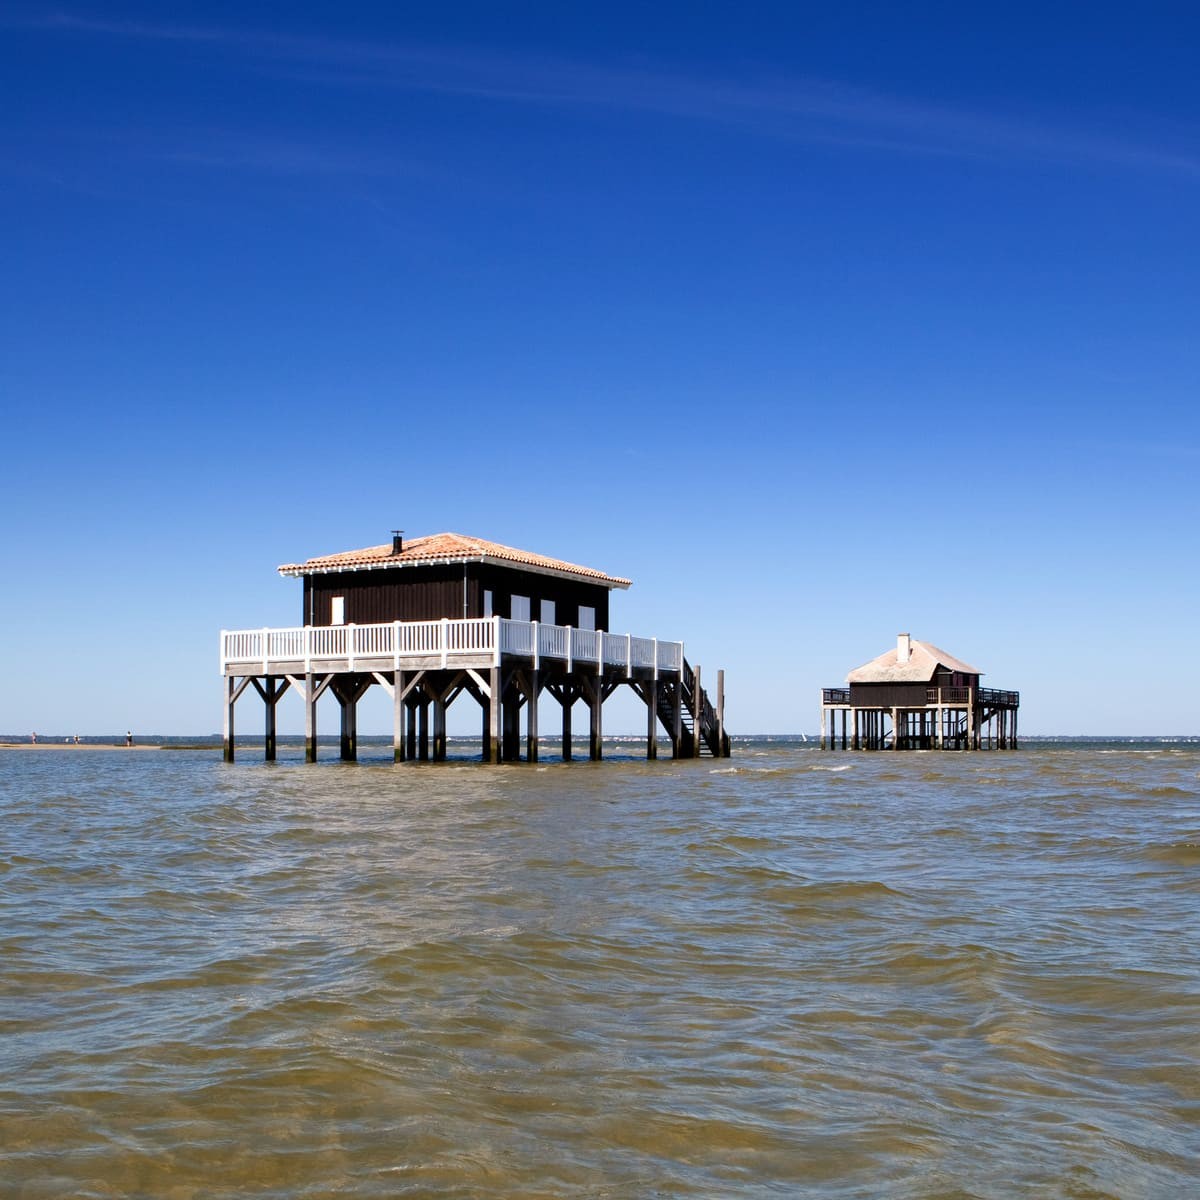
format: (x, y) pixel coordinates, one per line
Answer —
(819, 322)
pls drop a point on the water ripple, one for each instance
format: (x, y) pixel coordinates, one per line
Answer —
(798, 974)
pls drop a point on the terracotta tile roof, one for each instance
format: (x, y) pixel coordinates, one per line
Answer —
(924, 660)
(447, 548)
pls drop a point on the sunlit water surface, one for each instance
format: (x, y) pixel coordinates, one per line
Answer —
(785, 974)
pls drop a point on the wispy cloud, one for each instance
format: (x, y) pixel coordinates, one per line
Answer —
(810, 110)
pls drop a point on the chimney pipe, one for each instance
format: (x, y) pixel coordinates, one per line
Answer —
(903, 649)
(397, 540)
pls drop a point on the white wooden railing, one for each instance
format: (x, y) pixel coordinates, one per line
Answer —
(449, 641)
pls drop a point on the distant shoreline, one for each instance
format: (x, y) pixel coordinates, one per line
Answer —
(104, 746)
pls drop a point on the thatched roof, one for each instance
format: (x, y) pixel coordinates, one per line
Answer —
(923, 662)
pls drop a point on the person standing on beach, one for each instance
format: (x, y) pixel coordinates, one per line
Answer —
(129, 737)
(33, 738)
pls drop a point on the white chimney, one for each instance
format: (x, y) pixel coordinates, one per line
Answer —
(903, 649)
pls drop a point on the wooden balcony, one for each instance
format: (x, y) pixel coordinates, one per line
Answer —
(437, 645)
(947, 697)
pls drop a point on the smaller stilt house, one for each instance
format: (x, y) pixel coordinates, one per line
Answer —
(918, 697)
(432, 619)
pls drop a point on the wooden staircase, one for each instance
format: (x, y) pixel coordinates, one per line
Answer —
(713, 742)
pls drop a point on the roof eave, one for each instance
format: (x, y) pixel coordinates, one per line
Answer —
(298, 570)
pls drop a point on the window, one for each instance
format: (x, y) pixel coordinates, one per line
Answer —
(548, 612)
(487, 602)
(520, 608)
(587, 617)
(337, 610)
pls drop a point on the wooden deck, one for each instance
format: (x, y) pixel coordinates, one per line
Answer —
(949, 718)
(432, 645)
(949, 697)
(505, 665)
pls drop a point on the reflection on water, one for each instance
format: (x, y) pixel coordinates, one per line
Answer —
(786, 973)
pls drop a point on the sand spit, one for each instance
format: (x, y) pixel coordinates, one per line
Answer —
(94, 746)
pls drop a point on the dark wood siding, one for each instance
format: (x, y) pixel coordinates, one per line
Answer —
(566, 594)
(430, 593)
(903, 695)
(888, 695)
(375, 596)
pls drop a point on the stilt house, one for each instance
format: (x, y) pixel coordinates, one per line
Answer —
(431, 618)
(918, 697)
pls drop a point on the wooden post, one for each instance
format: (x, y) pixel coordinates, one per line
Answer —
(677, 718)
(895, 729)
(439, 729)
(721, 753)
(411, 749)
(845, 714)
(349, 739)
(855, 742)
(270, 698)
(310, 718)
(423, 729)
(972, 731)
(697, 711)
(510, 720)
(568, 703)
(398, 716)
(651, 719)
(531, 716)
(493, 754)
(227, 721)
(596, 739)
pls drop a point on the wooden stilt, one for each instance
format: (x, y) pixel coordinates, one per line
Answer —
(697, 712)
(651, 693)
(348, 702)
(510, 708)
(423, 728)
(677, 718)
(227, 728)
(439, 728)
(721, 750)
(493, 754)
(270, 690)
(531, 717)
(398, 748)
(568, 703)
(310, 718)
(596, 731)
(269, 701)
